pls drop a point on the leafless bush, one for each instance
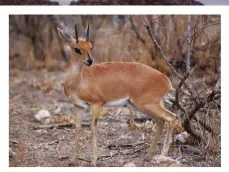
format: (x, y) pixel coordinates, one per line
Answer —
(35, 37)
(195, 99)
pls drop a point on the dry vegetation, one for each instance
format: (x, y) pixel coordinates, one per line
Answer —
(38, 61)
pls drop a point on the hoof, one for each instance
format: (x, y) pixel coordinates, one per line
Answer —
(74, 162)
(165, 161)
(149, 154)
(71, 164)
(93, 163)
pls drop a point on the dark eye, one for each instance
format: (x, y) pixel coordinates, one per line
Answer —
(78, 51)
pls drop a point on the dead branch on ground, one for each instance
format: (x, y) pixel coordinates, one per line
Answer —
(59, 126)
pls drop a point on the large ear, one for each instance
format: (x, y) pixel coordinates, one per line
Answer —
(86, 33)
(66, 36)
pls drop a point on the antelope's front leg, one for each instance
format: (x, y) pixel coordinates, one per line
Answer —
(78, 118)
(96, 111)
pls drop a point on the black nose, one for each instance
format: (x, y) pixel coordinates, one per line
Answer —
(89, 61)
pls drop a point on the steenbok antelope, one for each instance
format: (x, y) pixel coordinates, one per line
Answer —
(114, 84)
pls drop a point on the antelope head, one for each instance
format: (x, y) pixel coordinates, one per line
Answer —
(80, 47)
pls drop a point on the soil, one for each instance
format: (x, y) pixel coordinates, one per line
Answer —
(31, 91)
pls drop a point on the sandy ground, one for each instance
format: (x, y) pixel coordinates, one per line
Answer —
(31, 91)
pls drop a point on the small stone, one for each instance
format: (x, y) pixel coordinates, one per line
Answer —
(46, 121)
(183, 160)
(182, 137)
(41, 132)
(42, 114)
(11, 153)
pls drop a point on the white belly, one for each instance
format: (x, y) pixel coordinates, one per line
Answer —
(82, 104)
(114, 103)
(118, 102)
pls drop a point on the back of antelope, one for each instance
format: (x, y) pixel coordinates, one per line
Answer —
(114, 84)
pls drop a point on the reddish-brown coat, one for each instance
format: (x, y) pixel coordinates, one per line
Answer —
(111, 81)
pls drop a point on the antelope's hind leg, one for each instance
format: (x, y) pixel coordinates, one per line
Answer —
(170, 119)
(161, 115)
(168, 138)
(159, 127)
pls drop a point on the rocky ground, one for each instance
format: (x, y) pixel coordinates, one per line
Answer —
(118, 145)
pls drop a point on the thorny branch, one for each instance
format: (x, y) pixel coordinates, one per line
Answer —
(146, 24)
(194, 95)
(200, 30)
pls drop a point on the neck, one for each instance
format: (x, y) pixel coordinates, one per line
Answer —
(73, 77)
(75, 69)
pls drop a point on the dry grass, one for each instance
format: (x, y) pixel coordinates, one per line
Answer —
(46, 85)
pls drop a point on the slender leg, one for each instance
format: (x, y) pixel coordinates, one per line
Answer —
(78, 118)
(96, 111)
(162, 115)
(168, 138)
(160, 125)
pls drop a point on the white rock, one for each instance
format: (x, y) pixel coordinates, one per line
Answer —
(130, 164)
(11, 153)
(182, 137)
(42, 114)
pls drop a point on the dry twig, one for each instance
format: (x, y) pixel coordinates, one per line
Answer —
(59, 126)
